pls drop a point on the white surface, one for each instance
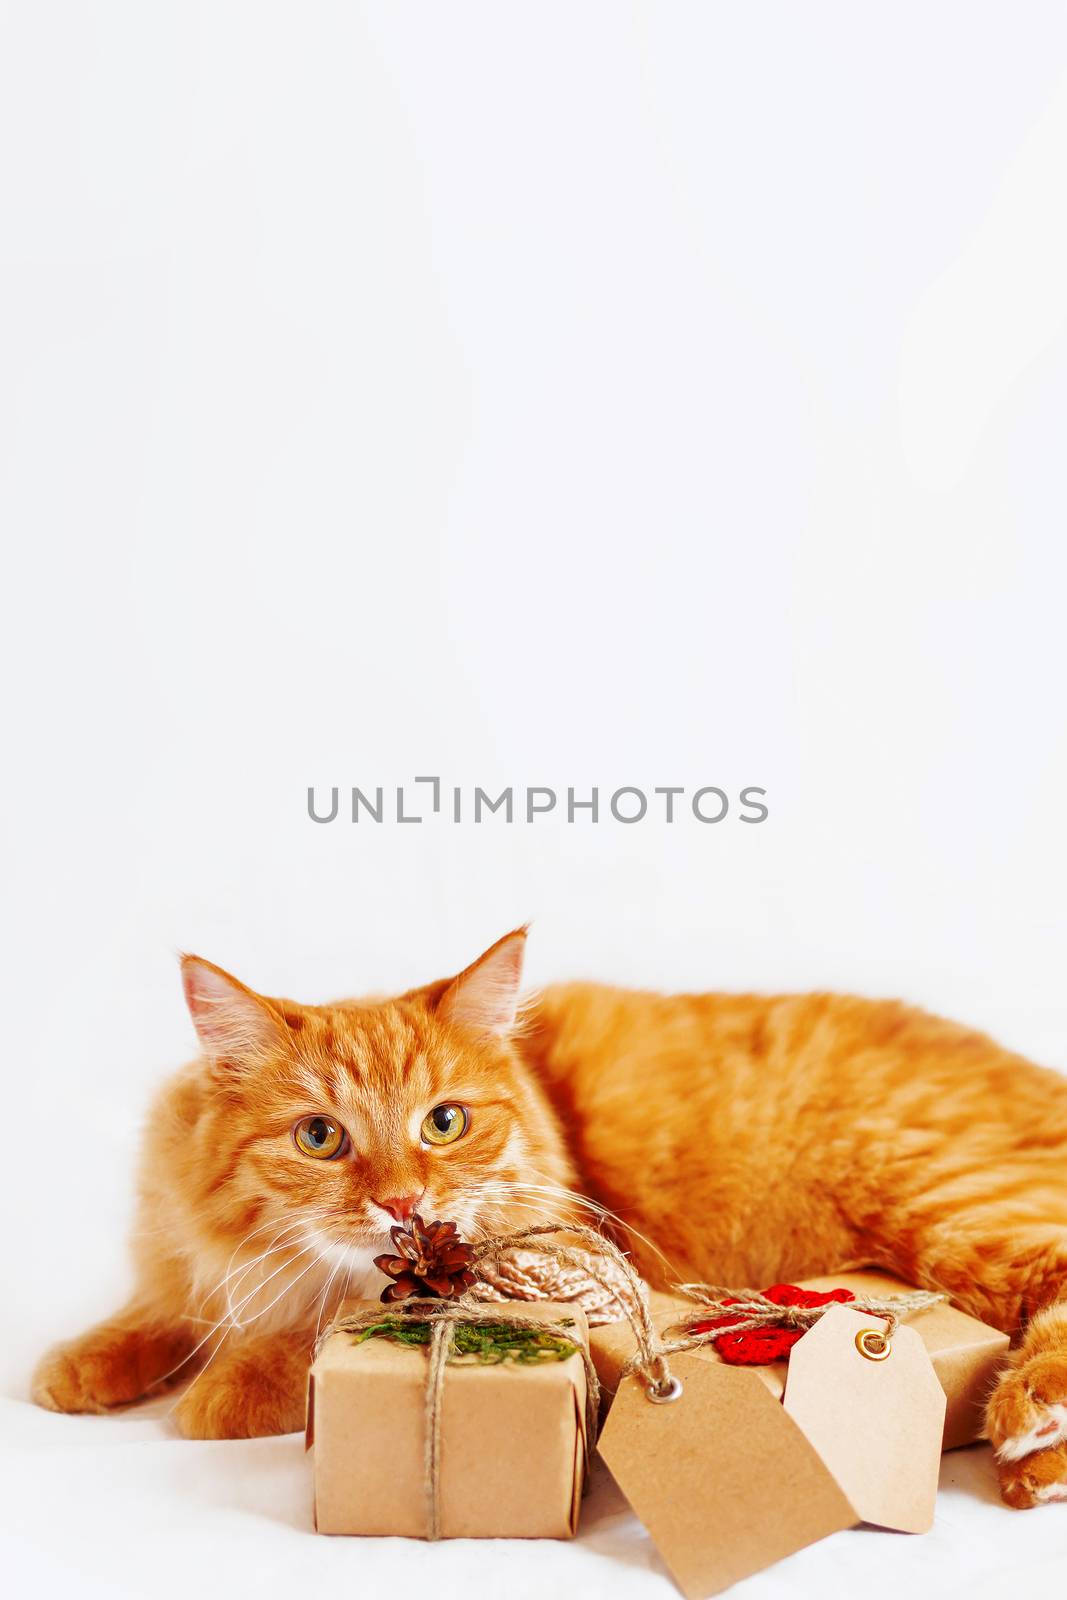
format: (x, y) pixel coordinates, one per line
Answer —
(559, 395)
(115, 1506)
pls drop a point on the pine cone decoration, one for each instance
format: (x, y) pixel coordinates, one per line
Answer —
(431, 1260)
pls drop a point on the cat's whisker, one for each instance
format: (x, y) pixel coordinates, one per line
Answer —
(324, 1297)
(239, 1322)
(315, 1215)
(272, 1249)
(151, 1233)
(247, 1240)
(230, 1321)
(237, 1327)
(289, 1287)
(287, 1248)
(556, 1189)
(510, 1202)
(239, 1273)
(571, 1198)
(241, 1270)
(538, 1195)
(606, 1214)
(226, 1323)
(232, 1270)
(495, 1186)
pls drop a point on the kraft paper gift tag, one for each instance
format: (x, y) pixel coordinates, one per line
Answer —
(723, 1479)
(728, 1479)
(875, 1420)
(966, 1353)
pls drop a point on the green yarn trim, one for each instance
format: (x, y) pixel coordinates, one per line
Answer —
(487, 1343)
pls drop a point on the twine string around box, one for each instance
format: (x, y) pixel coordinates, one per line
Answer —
(749, 1309)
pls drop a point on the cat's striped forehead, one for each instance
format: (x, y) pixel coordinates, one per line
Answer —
(384, 1053)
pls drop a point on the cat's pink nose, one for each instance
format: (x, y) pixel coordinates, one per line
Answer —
(401, 1206)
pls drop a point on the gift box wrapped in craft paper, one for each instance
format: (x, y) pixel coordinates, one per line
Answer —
(491, 1445)
(965, 1352)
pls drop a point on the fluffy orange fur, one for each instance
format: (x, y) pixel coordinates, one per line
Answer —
(738, 1139)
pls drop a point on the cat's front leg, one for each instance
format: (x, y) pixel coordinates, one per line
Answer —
(1015, 1277)
(119, 1361)
(254, 1385)
(1026, 1418)
(1017, 1280)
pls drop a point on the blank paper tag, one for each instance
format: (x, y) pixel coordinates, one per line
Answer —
(724, 1481)
(877, 1425)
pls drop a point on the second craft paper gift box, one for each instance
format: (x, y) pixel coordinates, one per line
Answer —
(965, 1352)
(512, 1429)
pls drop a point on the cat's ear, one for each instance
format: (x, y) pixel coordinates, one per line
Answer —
(485, 996)
(233, 1022)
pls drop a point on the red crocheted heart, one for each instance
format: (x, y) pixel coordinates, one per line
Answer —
(756, 1347)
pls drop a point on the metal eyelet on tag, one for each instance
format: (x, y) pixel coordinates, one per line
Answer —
(873, 1344)
(670, 1391)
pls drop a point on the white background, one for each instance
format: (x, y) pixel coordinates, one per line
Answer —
(571, 394)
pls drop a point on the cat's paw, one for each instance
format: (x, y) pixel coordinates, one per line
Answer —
(62, 1383)
(108, 1367)
(242, 1401)
(1026, 1421)
(1039, 1478)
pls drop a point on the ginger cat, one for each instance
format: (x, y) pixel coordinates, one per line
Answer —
(750, 1139)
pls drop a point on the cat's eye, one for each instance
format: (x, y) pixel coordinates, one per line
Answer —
(320, 1137)
(445, 1124)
